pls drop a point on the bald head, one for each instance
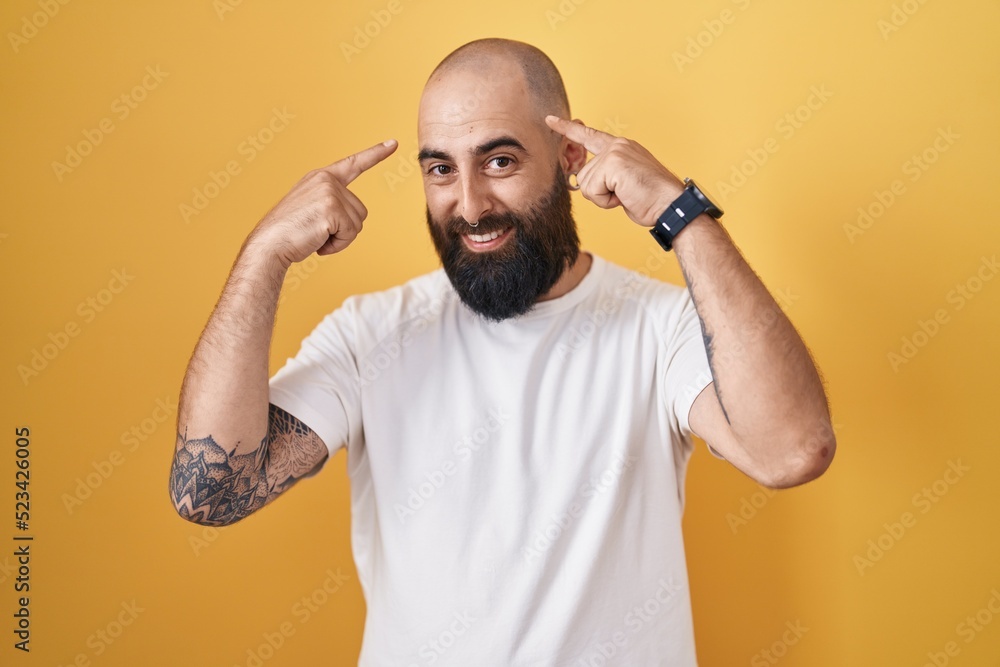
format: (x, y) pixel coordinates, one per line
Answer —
(497, 57)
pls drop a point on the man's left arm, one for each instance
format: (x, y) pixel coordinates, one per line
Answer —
(766, 411)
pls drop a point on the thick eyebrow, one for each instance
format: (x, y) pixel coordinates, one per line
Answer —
(505, 141)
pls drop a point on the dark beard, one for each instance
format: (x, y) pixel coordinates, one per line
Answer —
(506, 282)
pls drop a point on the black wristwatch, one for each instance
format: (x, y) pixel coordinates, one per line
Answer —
(685, 208)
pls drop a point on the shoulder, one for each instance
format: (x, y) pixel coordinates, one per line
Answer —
(662, 300)
(374, 315)
(401, 300)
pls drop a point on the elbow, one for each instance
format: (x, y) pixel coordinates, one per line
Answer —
(199, 498)
(201, 518)
(183, 503)
(806, 459)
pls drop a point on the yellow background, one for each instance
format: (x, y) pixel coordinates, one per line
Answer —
(208, 597)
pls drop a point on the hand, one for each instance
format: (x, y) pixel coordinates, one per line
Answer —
(621, 173)
(319, 214)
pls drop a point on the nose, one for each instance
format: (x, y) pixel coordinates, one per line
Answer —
(475, 198)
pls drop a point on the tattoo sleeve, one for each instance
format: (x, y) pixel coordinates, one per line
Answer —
(212, 486)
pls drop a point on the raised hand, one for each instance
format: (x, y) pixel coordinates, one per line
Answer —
(621, 173)
(319, 214)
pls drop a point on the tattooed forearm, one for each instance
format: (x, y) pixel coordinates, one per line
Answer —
(710, 353)
(709, 347)
(212, 486)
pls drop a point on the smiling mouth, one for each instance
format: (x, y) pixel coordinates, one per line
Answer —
(488, 241)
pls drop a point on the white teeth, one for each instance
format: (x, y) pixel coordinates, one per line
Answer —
(483, 238)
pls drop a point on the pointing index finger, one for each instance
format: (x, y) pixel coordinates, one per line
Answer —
(353, 166)
(593, 140)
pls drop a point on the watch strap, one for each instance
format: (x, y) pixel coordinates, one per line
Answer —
(682, 211)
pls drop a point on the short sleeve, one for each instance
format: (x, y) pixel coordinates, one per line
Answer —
(320, 385)
(686, 368)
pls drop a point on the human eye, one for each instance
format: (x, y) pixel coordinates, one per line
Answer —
(502, 162)
(439, 170)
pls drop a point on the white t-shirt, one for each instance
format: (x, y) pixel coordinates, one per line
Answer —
(516, 487)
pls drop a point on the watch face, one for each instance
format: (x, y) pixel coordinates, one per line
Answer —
(705, 198)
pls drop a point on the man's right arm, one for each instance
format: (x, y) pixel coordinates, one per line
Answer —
(235, 451)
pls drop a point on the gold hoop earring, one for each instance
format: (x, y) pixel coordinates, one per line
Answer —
(569, 182)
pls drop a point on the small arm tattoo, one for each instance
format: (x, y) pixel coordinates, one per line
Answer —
(211, 486)
(710, 353)
(709, 346)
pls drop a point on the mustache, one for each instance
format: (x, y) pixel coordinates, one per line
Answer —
(494, 222)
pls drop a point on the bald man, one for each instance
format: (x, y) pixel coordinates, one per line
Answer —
(517, 423)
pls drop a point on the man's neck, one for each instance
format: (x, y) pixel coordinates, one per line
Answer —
(570, 278)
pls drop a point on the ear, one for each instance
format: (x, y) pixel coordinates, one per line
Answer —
(572, 156)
